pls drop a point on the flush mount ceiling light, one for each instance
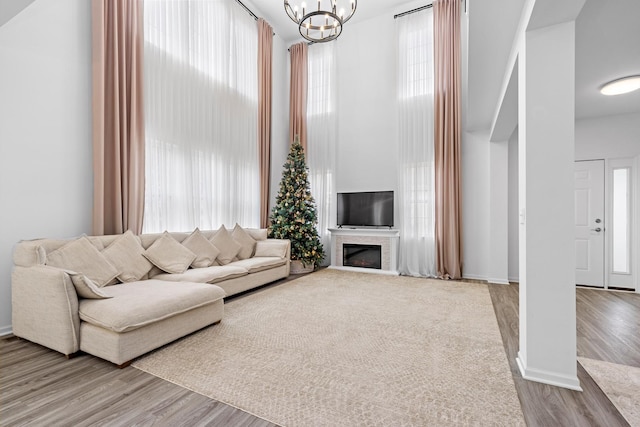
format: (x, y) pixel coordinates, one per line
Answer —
(620, 86)
(324, 23)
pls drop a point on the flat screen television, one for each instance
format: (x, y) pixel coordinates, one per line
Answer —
(365, 209)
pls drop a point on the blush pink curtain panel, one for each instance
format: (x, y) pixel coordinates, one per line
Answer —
(298, 94)
(118, 124)
(447, 124)
(265, 49)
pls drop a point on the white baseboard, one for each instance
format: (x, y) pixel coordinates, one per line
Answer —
(474, 277)
(365, 270)
(498, 281)
(6, 330)
(546, 377)
(514, 279)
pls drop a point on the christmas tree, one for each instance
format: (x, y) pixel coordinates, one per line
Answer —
(294, 216)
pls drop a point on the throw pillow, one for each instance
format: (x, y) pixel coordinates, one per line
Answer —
(85, 288)
(169, 255)
(270, 249)
(246, 242)
(125, 253)
(81, 256)
(205, 251)
(228, 247)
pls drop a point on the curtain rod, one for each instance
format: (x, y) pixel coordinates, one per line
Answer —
(247, 9)
(250, 12)
(418, 9)
(409, 12)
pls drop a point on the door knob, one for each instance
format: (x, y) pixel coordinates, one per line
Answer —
(597, 229)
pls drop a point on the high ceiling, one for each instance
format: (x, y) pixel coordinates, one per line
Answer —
(607, 47)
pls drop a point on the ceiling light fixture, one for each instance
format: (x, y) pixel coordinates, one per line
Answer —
(322, 24)
(620, 86)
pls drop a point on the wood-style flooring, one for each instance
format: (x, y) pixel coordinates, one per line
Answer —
(607, 329)
(39, 387)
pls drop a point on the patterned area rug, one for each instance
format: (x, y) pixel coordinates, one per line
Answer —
(620, 383)
(352, 349)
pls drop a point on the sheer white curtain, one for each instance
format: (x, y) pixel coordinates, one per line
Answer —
(416, 142)
(201, 108)
(322, 132)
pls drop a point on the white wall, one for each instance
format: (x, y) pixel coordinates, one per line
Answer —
(46, 178)
(367, 142)
(475, 204)
(608, 137)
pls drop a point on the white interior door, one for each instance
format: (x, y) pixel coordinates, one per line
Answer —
(589, 218)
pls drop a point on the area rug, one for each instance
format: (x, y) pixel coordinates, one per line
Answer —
(337, 348)
(620, 383)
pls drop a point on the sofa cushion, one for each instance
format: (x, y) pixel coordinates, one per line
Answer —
(136, 304)
(81, 256)
(85, 288)
(205, 251)
(212, 274)
(257, 233)
(125, 253)
(169, 255)
(270, 248)
(255, 264)
(246, 242)
(229, 248)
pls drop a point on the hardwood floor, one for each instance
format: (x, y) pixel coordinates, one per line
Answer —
(608, 326)
(40, 387)
(544, 405)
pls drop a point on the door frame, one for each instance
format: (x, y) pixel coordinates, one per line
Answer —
(609, 165)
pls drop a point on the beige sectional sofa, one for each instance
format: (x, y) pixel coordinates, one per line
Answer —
(66, 297)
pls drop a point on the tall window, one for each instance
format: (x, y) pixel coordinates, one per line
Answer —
(322, 134)
(201, 107)
(416, 143)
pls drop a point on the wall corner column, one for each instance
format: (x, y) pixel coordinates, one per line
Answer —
(546, 117)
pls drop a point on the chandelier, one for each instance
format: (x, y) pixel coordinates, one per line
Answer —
(322, 24)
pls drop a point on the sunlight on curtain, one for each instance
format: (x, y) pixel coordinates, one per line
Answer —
(416, 157)
(201, 108)
(321, 136)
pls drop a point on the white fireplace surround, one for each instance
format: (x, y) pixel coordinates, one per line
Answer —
(387, 239)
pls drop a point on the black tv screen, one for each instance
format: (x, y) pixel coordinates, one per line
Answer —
(372, 208)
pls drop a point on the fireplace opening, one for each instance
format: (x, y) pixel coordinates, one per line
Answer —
(364, 256)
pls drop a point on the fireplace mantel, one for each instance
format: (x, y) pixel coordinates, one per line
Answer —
(387, 239)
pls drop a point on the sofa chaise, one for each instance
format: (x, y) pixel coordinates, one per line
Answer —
(120, 296)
